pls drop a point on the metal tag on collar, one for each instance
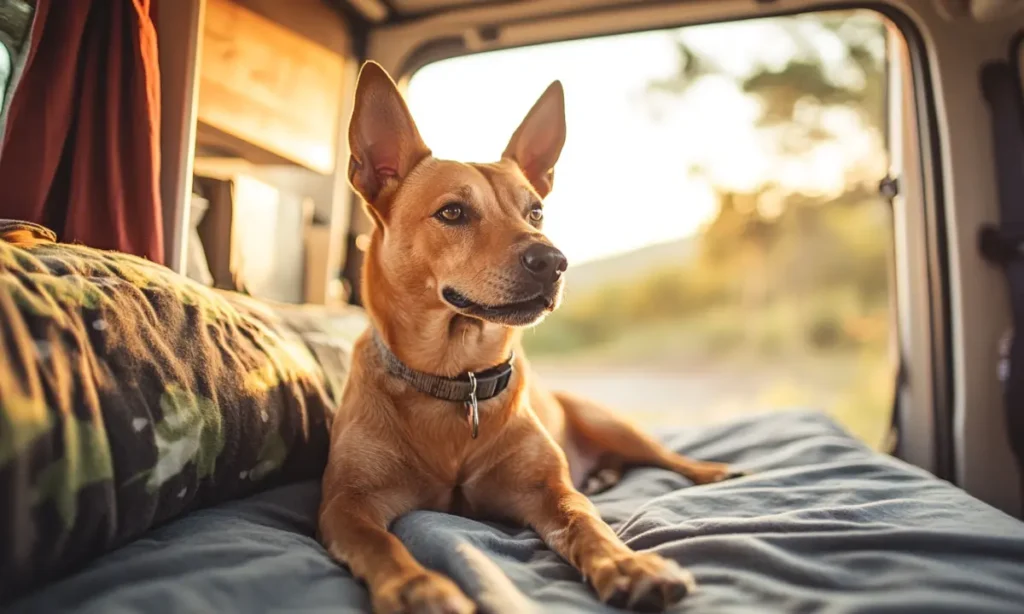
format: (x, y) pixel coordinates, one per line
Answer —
(472, 408)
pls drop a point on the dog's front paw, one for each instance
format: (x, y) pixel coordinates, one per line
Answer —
(729, 472)
(711, 473)
(424, 593)
(642, 581)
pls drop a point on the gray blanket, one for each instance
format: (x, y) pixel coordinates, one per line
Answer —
(823, 524)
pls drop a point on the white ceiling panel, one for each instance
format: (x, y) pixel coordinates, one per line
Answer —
(414, 7)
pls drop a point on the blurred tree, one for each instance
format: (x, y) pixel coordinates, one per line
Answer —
(794, 280)
(771, 241)
(818, 261)
(793, 96)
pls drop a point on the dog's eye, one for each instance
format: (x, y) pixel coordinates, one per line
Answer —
(453, 213)
(536, 214)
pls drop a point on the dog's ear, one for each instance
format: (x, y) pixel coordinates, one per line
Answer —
(383, 139)
(538, 141)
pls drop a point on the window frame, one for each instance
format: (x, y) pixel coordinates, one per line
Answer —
(926, 398)
(7, 81)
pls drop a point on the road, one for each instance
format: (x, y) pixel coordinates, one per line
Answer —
(666, 398)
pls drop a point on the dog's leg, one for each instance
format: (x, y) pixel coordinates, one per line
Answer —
(644, 581)
(607, 474)
(355, 534)
(535, 488)
(620, 442)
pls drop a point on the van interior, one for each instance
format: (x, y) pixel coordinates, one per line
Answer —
(793, 243)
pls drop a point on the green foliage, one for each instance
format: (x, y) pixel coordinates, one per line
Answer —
(817, 273)
(813, 77)
(776, 275)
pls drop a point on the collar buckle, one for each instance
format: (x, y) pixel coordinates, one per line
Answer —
(473, 407)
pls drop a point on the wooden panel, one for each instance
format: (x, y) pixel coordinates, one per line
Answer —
(215, 232)
(318, 245)
(311, 19)
(265, 86)
(222, 169)
(253, 236)
(179, 26)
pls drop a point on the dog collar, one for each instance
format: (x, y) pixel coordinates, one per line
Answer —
(468, 388)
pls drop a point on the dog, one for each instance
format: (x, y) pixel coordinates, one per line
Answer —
(440, 410)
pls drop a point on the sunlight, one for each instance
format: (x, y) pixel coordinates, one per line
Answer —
(627, 157)
(727, 247)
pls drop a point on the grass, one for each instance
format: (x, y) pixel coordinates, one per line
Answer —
(731, 363)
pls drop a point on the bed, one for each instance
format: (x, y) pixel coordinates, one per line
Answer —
(160, 445)
(822, 524)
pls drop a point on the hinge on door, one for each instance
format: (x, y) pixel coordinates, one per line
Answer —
(889, 187)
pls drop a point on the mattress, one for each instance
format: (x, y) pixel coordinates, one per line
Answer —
(822, 524)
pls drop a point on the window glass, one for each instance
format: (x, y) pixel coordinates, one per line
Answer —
(15, 23)
(5, 72)
(717, 201)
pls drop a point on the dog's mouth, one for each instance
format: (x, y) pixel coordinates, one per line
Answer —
(518, 313)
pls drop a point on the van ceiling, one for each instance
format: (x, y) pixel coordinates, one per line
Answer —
(386, 12)
(419, 7)
(383, 12)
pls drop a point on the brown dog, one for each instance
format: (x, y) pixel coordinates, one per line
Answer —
(440, 412)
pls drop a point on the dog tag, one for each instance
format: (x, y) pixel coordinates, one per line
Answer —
(472, 408)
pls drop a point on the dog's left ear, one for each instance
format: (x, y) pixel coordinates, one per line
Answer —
(538, 141)
(383, 139)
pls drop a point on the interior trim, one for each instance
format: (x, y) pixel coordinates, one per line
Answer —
(934, 445)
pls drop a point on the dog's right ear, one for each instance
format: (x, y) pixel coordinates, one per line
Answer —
(383, 139)
(537, 143)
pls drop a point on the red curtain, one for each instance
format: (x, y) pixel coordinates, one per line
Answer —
(81, 153)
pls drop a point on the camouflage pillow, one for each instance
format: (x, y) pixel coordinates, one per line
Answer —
(130, 395)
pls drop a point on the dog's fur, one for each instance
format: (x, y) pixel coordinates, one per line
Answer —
(447, 299)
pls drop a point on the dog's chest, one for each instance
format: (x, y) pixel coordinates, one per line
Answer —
(456, 490)
(454, 500)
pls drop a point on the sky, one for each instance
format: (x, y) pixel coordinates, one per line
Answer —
(622, 181)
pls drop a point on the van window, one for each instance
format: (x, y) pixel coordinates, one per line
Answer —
(718, 206)
(15, 23)
(5, 74)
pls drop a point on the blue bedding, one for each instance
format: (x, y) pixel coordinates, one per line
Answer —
(823, 524)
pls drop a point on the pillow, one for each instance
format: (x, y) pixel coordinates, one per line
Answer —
(130, 395)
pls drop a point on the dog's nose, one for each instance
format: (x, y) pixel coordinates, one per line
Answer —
(544, 262)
